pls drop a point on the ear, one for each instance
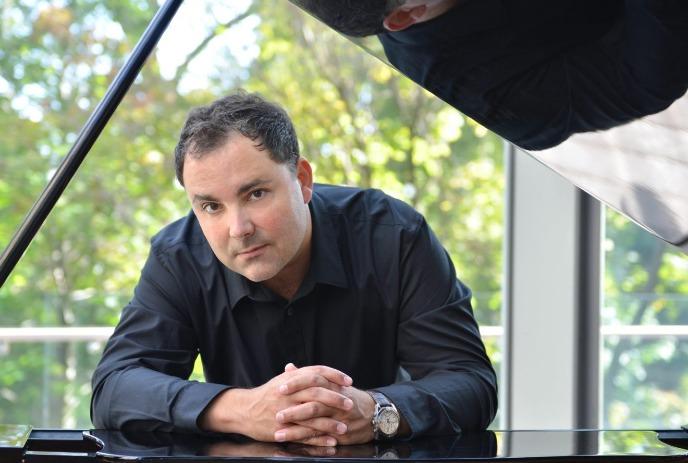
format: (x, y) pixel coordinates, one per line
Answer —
(402, 18)
(304, 175)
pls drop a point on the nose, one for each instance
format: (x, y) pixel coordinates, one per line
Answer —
(240, 224)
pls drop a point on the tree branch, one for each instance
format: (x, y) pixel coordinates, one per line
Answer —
(215, 32)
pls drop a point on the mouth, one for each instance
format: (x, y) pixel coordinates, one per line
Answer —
(252, 252)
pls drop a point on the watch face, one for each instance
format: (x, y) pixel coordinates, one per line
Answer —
(389, 422)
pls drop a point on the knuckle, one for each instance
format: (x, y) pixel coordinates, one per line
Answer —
(333, 427)
(319, 394)
(314, 408)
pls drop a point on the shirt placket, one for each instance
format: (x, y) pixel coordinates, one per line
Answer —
(292, 336)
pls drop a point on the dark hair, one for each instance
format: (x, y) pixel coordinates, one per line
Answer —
(357, 18)
(249, 114)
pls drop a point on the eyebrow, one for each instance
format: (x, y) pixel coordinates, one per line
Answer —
(246, 187)
(201, 197)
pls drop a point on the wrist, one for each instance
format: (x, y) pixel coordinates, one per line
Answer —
(225, 412)
(386, 418)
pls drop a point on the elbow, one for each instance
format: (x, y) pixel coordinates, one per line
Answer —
(490, 399)
(99, 410)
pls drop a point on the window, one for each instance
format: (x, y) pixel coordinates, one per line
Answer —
(644, 327)
(359, 123)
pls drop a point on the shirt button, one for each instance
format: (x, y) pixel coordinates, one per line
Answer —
(290, 311)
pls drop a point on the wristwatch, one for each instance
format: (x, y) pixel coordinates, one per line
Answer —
(385, 418)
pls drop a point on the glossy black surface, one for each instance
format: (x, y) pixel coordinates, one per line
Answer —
(583, 445)
(532, 69)
(13, 439)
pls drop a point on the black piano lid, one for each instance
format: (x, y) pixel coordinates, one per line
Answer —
(13, 439)
(596, 91)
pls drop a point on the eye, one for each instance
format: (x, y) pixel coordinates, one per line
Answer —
(257, 194)
(210, 208)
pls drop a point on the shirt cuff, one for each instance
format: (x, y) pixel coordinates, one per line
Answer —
(401, 396)
(420, 410)
(192, 401)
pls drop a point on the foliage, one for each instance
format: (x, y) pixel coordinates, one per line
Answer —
(359, 122)
(645, 381)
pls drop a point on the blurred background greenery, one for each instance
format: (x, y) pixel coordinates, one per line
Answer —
(359, 122)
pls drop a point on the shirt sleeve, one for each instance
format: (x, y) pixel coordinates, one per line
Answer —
(142, 381)
(637, 69)
(453, 387)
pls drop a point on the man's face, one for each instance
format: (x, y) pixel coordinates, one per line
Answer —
(252, 210)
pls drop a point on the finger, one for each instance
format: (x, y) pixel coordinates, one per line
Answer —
(296, 433)
(304, 411)
(308, 408)
(327, 425)
(304, 379)
(330, 374)
(327, 397)
(303, 416)
(290, 367)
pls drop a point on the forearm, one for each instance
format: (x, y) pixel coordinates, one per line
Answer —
(445, 402)
(145, 399)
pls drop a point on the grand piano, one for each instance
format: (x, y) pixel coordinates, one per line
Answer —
(635, 165)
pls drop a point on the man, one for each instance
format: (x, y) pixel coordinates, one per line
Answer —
(537, 71)
(303, 301)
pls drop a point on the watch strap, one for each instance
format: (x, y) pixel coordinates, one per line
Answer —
(380, 399)
(381, 402)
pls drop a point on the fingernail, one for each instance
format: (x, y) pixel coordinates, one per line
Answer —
(331, 442)
(348, 403)
(280, 436)
(341, 428)
(280, 417)
(348, 380)
(283, 388)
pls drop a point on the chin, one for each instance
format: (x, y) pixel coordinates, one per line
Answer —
(258, 275)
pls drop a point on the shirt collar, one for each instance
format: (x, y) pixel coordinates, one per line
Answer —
(326, 261)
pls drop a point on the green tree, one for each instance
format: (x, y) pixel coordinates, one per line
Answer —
(645, 380)
(359, 123)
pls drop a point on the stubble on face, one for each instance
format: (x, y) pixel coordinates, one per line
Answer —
(260, 225)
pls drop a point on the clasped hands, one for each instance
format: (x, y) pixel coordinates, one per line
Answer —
(314, 405)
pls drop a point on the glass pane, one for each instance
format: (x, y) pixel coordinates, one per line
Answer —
(645, 383)
(645, 353)
(56, 60)
(362, 125)
(47, 384)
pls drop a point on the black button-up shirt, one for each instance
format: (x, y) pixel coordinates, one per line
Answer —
(381, 293)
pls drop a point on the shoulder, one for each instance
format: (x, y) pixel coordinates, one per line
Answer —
(184, 231)
(182, 241)
(364, 205)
